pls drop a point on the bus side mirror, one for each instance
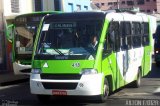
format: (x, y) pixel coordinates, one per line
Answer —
(10, 33)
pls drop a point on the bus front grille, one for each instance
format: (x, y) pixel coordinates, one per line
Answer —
(67, 86)
(61, 76)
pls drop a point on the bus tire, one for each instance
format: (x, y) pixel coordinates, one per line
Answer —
(137, 82)
(105, 94)
(44, 98)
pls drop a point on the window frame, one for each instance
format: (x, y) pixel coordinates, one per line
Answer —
(126, 38)
(136, 34)
(145, 36)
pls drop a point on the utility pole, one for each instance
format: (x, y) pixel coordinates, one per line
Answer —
(117, 4)
(2, 37)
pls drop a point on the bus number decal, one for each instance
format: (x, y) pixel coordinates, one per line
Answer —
(76, 65)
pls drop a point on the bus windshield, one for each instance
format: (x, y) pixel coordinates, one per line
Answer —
(70, 37)
(25, 31)
(24, 38)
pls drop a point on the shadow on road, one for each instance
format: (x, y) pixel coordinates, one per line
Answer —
(61, 101)
(154, 73)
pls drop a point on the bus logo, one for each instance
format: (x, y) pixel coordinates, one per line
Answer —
(45, 65)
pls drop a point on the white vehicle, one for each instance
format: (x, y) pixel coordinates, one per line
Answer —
(63, 64)
(22, 35)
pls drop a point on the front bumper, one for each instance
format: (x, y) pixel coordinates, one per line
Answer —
(19, 67)
(87, 85)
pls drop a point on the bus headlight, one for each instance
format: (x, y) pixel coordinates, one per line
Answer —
(89, 71)
(36, 71)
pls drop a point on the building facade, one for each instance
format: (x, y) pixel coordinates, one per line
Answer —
(8, 10)
(148, 6)
(16, 7)
(61, 5)
(75, 5)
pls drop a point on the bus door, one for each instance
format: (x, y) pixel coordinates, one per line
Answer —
(125, 51)
(111, 47)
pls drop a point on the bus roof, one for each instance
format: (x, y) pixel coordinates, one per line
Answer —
(32, 17)
(97, 15)
(77, 15)
(38, 13)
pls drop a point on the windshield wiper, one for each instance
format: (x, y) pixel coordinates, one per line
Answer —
(59, 52)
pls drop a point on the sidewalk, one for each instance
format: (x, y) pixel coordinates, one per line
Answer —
(9, 78)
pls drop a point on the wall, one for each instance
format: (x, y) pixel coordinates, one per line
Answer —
(158, 6)
(2, 40)
(82, 3)
(64, 5)
(25, 6)
(148, 6)
(48, 5)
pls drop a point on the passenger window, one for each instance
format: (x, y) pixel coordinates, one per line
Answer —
(145, 37)
(136, 34)
(110, 39)
(125, 35)
(122, 36)
(117, 36)
(113, 36)
(127, 28)
(128, 35)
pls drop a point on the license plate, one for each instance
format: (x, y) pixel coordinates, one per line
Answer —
(57, 92)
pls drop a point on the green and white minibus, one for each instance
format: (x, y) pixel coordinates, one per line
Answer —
(22, 34)
(63, 63)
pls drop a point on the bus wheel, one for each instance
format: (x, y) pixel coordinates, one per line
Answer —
(44, 98)
(105, 94)
(137, 83)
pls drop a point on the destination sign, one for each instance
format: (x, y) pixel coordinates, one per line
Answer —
(63, 25)
(27, 19)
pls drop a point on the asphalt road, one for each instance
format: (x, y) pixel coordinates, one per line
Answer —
(147, 95)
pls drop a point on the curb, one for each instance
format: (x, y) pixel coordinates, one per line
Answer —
(14, 82)
(10, 79)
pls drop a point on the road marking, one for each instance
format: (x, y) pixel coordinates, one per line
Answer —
(157, 90)
(134, 94)
(8, 86)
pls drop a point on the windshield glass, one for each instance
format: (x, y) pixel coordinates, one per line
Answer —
(25, 31)
(70, 38)
(24, 38)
